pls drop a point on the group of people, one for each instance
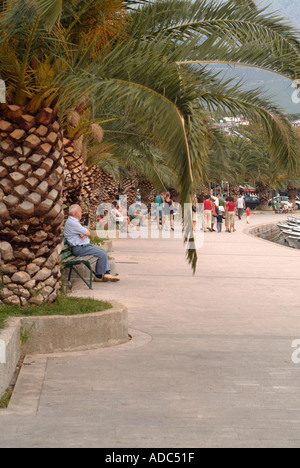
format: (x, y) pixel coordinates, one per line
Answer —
(214, 212)
(135, 216)
(281, 207)
(78, 237)
(165, 211)
(118, 215)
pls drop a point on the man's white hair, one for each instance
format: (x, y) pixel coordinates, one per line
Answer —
(74, 209)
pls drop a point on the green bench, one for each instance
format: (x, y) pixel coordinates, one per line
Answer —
(68, 260)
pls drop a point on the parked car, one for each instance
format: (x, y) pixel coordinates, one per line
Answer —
(252, 202)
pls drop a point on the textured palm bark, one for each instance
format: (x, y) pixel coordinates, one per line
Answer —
(264, 193)
(31, 207)
(292, 193)
(97, 187)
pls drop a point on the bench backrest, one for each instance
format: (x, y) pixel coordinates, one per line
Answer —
(66, 251)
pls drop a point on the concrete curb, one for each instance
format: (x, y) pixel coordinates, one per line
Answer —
(11, 352)
(55, 334)
(257, 231)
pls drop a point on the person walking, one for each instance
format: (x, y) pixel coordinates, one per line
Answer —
(169, 212)
(207, 213)
(231, 211)
(248, 213)
(241, 206)
(226, 212)
(213, 215)
(160, 202)
(219, 216)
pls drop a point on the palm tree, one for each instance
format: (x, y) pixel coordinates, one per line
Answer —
(247, 162)
(161, 78)
(159, 75)
(44, 76)
(99, 23)
(132, 165)
(150, 72)
(160, 67)
(31, 159)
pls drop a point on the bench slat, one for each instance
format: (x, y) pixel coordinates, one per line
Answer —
(65, 255)
(90, 258)
(68, 260)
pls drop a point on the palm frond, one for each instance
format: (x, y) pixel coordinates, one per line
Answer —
(226, 32)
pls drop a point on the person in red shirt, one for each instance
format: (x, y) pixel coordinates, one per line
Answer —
(207, 213)
(230, 211)
(213, 212)
(248, 213)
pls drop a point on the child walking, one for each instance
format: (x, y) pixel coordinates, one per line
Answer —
(248, 213)
(220, 216)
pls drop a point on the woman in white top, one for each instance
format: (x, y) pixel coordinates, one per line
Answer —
(119, 217)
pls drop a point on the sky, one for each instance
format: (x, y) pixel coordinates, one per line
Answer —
(288, 8)
(279, 88)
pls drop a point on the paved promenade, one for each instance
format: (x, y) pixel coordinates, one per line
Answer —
(209, 364)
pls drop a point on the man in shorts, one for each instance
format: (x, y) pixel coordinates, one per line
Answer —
(231, 211)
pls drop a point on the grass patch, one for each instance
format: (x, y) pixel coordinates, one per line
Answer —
(62, 306)
(98, 241)
(5, 399)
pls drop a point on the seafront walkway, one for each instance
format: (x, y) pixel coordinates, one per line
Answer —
(209, 365)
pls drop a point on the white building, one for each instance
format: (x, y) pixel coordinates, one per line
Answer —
(296, 123)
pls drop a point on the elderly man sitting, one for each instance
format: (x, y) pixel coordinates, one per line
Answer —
(78, 239)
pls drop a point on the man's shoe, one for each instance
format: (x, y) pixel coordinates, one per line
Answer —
(111, 278)
(100, 280)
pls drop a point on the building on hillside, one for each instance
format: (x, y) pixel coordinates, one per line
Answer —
(296, 123)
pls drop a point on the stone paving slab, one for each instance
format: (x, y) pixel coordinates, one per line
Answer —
(209, 364)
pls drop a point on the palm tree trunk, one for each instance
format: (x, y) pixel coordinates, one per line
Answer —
(98, 187)
(264, 193)
(75, 157)
(292, 193)
(148, 192)
(174, 194)
(203, 190)
(31, 208)
(234, 191)
(108, 189)
(129, 188)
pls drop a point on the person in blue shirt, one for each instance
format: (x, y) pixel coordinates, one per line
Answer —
(160, 204)
(78, 239)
